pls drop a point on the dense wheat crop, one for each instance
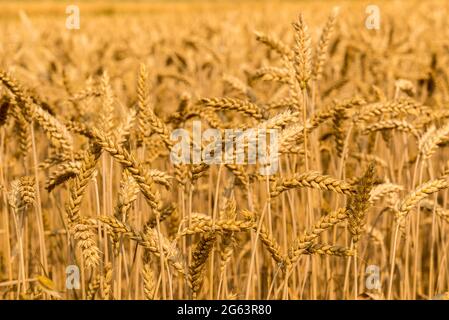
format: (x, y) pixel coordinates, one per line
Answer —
(358, 207)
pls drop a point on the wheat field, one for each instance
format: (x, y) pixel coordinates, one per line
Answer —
(93, 206)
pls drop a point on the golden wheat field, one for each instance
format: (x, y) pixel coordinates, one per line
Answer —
(93, 205)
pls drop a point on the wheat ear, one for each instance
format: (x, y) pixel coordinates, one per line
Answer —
(420, 193)
(429, 141)
(359, 203)
(150, 240)
(275, 44)
(127, 160)
(238, 105)
(149, 281)
(323, 45)
(303, 52)
(329, 250)
(311, 179)
(199, 257)
(22, 193)
(326, 222)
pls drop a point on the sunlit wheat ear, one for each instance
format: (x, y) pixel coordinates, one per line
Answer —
(428, 144)
(280, 120)
(268, 240)
(127, 195)
(101, 284)
(80, 183)
(227, 245)
(329, 250)
(339, 113)
(281, 75)
(22, 193)
(22, 128)
(246, 107)
(229, 225)
(359, 203)
(240, 173)
(93, 287)
(150, 240)
(149, 279)
(18, 91)
(275, 44)
(313, 180)
(142, 103)
(338, 118)
(429, 118)
(200, 255)
(160, 177)
(303, 52)
(147, 121)
(290, 138)
(431, 206)
(272, 246)
(383, 190)
(166, 212)
(54, 129)
(88, 92)
(62, 173)
(85, 237)
(107, 278)
(207, 114)
(124, 130)
(195, 217)
(127, 160)
(228, 211)
(414, 197)
(321, 54)
(107, 106)
(82, 232)
(78, 128)
(399, 125)
(302, 243)
(155, 149)
(402, 106)
(57, 133)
